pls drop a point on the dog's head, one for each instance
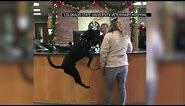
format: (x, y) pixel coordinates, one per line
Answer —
(93, 36)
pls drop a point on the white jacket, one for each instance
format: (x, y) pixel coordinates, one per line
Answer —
(114, 49)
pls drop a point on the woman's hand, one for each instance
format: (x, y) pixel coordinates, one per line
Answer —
(103, 69)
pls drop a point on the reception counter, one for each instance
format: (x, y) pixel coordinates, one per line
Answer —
(54, 86)
(39, 83)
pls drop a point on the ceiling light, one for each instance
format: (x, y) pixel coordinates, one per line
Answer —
(137, 3)
(36, 13)
(36, 9)
(144, 3)
(35, 4)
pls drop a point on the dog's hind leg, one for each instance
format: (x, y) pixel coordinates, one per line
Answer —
(90, 59)
(71, 70)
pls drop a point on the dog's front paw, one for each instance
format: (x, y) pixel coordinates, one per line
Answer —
(88, 64)
(85, 86)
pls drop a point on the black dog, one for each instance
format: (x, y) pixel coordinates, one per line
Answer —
(80, 50)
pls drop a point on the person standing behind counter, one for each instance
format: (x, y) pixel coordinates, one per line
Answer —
(103, 29)
(114, 61)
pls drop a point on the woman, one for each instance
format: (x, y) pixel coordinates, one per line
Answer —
(114, 61)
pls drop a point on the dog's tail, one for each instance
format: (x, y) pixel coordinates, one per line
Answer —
(51, 63)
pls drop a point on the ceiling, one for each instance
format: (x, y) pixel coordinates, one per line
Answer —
(11, 5)
(43, 6)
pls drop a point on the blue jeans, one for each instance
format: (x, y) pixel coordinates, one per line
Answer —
(120, 74)
(151, 92)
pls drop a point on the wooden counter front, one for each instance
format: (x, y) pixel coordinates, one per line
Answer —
(54, 86)
(171, 84)
(16, 83)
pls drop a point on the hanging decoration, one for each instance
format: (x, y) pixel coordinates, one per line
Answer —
(133, 20)
(53, 13)
(78, 4)
(59, 3)
(97, 3)
(130, 5)
(114, 7)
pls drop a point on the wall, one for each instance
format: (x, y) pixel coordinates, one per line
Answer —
(83, 22)
(141, 19)
(40, 19)
(171, 86)
(66, 26)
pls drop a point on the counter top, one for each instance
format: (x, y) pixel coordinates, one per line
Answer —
(173, 57)
(64, 53)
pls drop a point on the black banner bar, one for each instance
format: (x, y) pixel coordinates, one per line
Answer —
(106, 14)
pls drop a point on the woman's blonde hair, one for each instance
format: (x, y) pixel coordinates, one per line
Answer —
(115, 25)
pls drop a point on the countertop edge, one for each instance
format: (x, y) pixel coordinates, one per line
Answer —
(64, 53)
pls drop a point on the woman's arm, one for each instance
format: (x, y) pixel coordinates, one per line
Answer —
(104, 52)
(129, 47)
